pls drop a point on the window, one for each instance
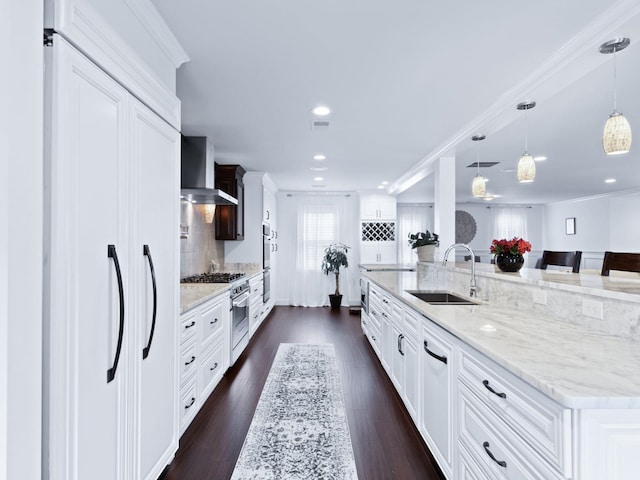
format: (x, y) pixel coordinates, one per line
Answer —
(319, 230)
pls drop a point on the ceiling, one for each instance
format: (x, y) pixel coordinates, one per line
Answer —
(408, 82)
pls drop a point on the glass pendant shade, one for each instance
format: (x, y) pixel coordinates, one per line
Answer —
(526, 168)
(616, 137)
(478, 187)
(209, 212)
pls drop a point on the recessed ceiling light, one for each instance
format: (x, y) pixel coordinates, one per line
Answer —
(318, 186)
(610, 180)
(488, 197)
(540, 158)
(318, 169)
(508, 170)
(385, 183)
(380, 187)
(318, 179)
(319, 157)
(321, 111)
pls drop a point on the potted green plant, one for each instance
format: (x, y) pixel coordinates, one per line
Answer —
(335, 256)
(425, 244)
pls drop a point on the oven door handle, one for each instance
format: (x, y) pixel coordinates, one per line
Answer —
(242, 299)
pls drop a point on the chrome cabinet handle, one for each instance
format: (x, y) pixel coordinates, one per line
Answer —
(400, 337)
(193, 359)
(193, 400)
(111, 253)
(499, 394)
(190, 325)
(502, 463)
(214, 366)
(214, 322)
(443, 359)
(147, 253)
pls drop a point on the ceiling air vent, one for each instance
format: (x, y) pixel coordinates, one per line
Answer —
(482, 164)
(319, 124)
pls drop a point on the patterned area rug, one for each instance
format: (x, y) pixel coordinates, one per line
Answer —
(299, 429)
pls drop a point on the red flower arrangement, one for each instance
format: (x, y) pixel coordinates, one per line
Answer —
(514, 246)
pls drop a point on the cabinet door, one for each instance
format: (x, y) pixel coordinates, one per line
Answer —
(387, 207)
(388, 252)
(156, 153)
(411, 379)
(88, 207)
(436, 355)
(397, 359)
(369, 253)
(387, 344)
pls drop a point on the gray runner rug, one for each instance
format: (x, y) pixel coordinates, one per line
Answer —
(299, 429)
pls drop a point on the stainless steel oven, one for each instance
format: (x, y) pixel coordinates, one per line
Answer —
(239, 319)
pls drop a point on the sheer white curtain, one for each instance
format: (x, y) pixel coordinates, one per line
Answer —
(412, 218)
(320, 221)
(510, 222)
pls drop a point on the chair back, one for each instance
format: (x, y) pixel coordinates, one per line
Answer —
(626, 262)
(563, 259)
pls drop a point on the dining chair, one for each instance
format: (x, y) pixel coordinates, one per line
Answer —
(563, 259)
(626, 262)
(467, 258)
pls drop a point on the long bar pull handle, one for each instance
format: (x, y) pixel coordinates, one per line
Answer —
(500, 394)
(502, 463)
(443, 359)
(147, 253)
(111, 253)
(400, 338)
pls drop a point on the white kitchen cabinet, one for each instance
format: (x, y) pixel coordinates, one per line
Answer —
(204, 354)
(256, 287)
(378, 252)
(438, 382)
(112, 189)
(377, 207)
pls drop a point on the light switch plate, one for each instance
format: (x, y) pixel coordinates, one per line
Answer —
(592, 308)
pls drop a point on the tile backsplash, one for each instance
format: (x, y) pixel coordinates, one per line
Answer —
(201, 246)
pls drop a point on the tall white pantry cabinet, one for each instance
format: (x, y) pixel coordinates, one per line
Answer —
(112, 194)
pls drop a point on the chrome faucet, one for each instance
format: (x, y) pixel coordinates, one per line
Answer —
(472, 290)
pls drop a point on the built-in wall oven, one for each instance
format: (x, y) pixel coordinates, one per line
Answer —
(239, 319)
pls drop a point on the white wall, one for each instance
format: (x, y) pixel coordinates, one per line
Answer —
(602, 223)
(21, 241)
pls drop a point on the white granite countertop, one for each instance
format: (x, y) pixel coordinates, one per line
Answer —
(577, 367)
(194, 294)
(382, 267)
(614, 287)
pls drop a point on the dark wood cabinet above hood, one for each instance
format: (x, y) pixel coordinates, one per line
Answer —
(229, 219)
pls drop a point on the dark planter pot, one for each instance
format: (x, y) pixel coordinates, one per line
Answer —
(335, 300)
(508, 262)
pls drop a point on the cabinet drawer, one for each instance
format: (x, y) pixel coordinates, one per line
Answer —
(188, 403)
(211, 370)
(411, 322)
(497, 450)
(188, 325)
(469, 469)
(211, 319)
(543, 423)
(188, 360)
(374, 317)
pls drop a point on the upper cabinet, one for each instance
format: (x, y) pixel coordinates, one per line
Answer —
(230, 218)
(377, 207)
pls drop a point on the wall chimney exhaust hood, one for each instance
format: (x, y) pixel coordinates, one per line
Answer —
(197, 173)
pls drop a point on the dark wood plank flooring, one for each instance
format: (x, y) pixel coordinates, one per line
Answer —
(386, 445)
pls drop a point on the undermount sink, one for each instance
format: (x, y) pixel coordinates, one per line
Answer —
(435, 297)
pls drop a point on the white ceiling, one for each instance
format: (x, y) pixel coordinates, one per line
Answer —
(409, 81)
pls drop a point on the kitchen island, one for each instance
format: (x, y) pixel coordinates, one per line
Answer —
(548, 392)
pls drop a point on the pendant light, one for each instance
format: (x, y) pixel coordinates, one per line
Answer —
(478, 187)
(526, 165)
(616, 137)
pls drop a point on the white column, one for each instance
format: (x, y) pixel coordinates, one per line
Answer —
(444, 207)
(21, 217)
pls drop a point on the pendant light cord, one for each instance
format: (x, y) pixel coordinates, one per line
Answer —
(615, 82)
(526, 131)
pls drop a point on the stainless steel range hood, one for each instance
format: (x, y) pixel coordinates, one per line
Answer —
(198, 173)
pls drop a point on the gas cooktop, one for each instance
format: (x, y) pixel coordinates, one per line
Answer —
(216, 277)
